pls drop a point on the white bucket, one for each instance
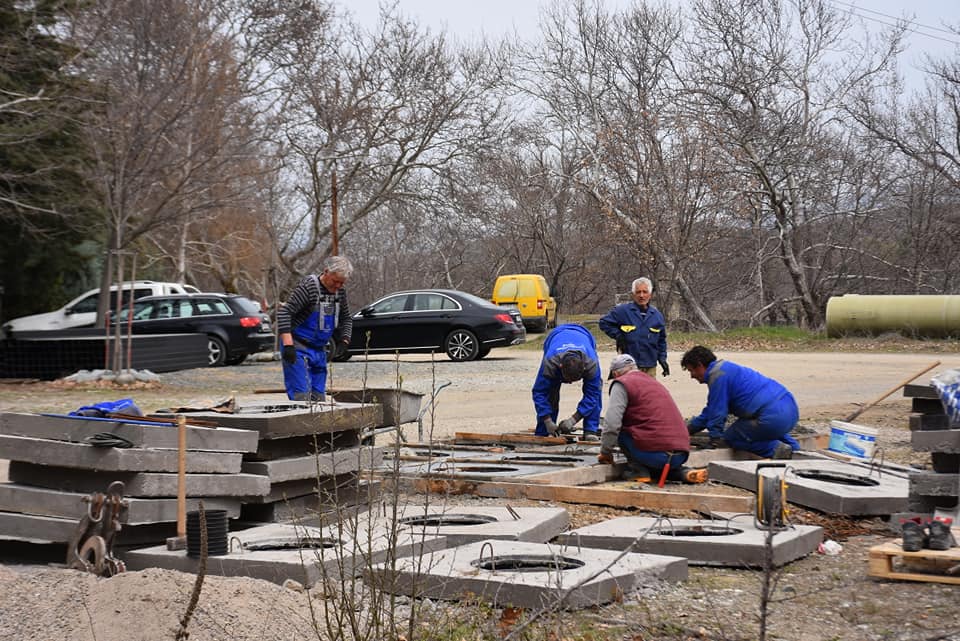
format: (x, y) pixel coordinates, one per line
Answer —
(852, 439)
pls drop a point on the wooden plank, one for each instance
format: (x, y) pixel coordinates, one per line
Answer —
(649, 499)
(880, 563)
(472, 437)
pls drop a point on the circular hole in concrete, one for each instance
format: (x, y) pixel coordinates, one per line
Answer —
(546, 458)
(697, 530)
(439, 520)
(293, 543)
(269, 409)
(430, 453)
(840, 478)
(527, 563)
(485, 468)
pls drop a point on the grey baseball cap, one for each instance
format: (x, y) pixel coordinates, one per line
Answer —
(619, 362)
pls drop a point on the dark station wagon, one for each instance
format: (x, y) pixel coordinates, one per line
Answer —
(234, 325)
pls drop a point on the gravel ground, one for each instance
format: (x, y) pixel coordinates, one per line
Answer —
(818, 598)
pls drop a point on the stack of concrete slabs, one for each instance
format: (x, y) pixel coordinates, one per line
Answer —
(477, 469)
(736, 542)
(527, 575)
(277, 552)
(461, 524)
(834, 487)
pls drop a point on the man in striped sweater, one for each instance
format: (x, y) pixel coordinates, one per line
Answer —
(316, 311)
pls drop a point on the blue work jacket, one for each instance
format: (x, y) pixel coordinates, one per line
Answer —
(645, 333)
(738, 390)
(562, 339)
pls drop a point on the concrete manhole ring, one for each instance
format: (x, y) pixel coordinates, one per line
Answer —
(440, 520)
(527, 563)
(840, 478)
(697, 530)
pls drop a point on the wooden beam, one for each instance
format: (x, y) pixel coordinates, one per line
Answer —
(648, 499)
(472, 437)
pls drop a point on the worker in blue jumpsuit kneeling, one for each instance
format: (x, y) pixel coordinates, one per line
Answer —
(316, 312)
(569, 355)
(766, 410)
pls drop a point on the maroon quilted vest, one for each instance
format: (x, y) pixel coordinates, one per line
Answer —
(652, 418)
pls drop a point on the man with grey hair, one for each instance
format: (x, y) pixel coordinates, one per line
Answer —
(639, 329)
(316, 312)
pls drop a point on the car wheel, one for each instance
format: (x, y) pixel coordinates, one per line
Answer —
(337, 351)
(216, 351)
(236, 360)
(483, 352)
(462, 345)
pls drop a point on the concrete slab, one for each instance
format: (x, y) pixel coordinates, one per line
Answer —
(329, 553)
(32, 528)
(829, 486)
(465, 524)
(70, 505)
(138, 484)
(733, 543)
(80, 455)
(290, 418)
(75, 430)
(316, 466)
(530, 575)
(933, 484)
(936, 441)
(317, 507)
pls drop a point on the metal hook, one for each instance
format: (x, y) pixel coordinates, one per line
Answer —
(239, 544)
(513, 513)
(874, 465)
(493, 563)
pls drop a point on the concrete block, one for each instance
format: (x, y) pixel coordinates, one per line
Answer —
(828, 486)
(399, 406)
(529, 575)
(75, 430)
(933, 484)
(328, 487)
(926, 406)
(465, 524)
(316, 507)
(138, 484)
(79, 455)
(945, 462)
(70, 505)
(320, 465)
(929, 422)
(33, 528)
(731, 542)
(947, 441)
(305, 554)
(291, 418)
(915, 390)
(271, 449)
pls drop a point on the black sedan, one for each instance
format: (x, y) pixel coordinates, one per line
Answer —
(234, 325)
(464, 326)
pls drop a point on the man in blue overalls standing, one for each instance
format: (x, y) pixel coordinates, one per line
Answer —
(639, 329)
(569, 354)
(316, 311)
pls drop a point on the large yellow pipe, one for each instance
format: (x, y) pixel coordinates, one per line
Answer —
(925, 316)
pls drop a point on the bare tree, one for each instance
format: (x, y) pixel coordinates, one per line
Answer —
(772, 96)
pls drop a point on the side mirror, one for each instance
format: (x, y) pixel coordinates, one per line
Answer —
(67, 311)
(366, 311)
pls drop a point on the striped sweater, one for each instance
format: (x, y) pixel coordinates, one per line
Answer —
(309, 292)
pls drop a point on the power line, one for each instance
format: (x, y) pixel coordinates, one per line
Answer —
(853, 9)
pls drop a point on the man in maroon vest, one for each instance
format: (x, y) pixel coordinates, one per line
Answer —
(644, 420)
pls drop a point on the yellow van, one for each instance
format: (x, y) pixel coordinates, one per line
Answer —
(530, 294)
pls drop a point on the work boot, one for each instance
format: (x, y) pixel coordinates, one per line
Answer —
(693, 475)
(636, 474)
(590, 437)
(782, 451)
(941, 538)
(914, 535)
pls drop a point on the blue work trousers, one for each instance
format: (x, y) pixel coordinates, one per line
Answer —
(761, 435)
(653, 461)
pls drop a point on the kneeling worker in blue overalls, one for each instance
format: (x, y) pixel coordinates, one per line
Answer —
(316, 311)
(569, 355)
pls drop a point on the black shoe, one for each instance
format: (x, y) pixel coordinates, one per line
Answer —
(914, 536)
(636, 473)
(941, 538)
(782, 451)
(717, 443)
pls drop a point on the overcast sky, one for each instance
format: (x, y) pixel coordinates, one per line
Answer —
(471, 18)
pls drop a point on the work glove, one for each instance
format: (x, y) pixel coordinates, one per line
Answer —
(551, 426)
(605, 457)
(666, 368)
(621, 344)
(289, 354)
(566, 425)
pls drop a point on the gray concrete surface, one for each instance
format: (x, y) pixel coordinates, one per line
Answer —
(887, 496)
(601, 577)
(464, 524)
(314, 466)
(734, 543)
